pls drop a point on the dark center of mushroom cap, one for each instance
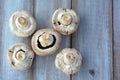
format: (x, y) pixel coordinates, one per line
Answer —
(22, 22)
(69, 58)
(20, 55)
(46, 40)
(66, 19)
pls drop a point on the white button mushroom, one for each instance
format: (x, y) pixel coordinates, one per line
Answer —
(65, 21)
(20, 56)
(22, 23)
(45, 41)
(69, 60)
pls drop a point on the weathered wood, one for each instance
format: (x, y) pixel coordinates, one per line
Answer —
(116, 28)
(7, 7)
(94, 39)
(44, 67)
(1, 58)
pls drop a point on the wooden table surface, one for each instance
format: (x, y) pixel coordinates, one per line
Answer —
(97, 38)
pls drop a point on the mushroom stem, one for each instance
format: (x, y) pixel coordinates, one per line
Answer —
(46, 39)
(66, 19)
(20, 56)
(69, 58)
(45, 36)
(22, 22)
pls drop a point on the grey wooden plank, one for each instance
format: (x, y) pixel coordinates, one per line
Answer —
(116, 27)
(44, 67)
(7, 7)
(1, 18)
(94, 39)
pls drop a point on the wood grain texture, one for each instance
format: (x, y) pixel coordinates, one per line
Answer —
(94, 39)
(116, 27)
(44, 67)
(1, 18)
(7, 8)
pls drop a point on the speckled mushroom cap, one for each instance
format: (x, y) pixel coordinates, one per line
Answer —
(45, 41)
(65, 21)
(69, 60)
(22, 23)
(20, 56)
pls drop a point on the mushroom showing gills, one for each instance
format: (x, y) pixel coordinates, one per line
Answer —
(69, 60)
(22, 23)
(45, 42)
(20, 56)
(65, 21)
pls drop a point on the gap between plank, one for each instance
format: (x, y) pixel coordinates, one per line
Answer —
(71, 76)
(34, 12)
(34, 8)
(112, 14)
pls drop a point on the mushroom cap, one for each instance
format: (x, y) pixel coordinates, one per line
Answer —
(65, 21)
(22, 23)
(46, 41)
(69, 60)
(20, 56)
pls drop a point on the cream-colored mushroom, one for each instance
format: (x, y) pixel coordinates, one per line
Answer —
(20, 56)
(65, 21)
(22, 23)
(45, 41)
(69, 60)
